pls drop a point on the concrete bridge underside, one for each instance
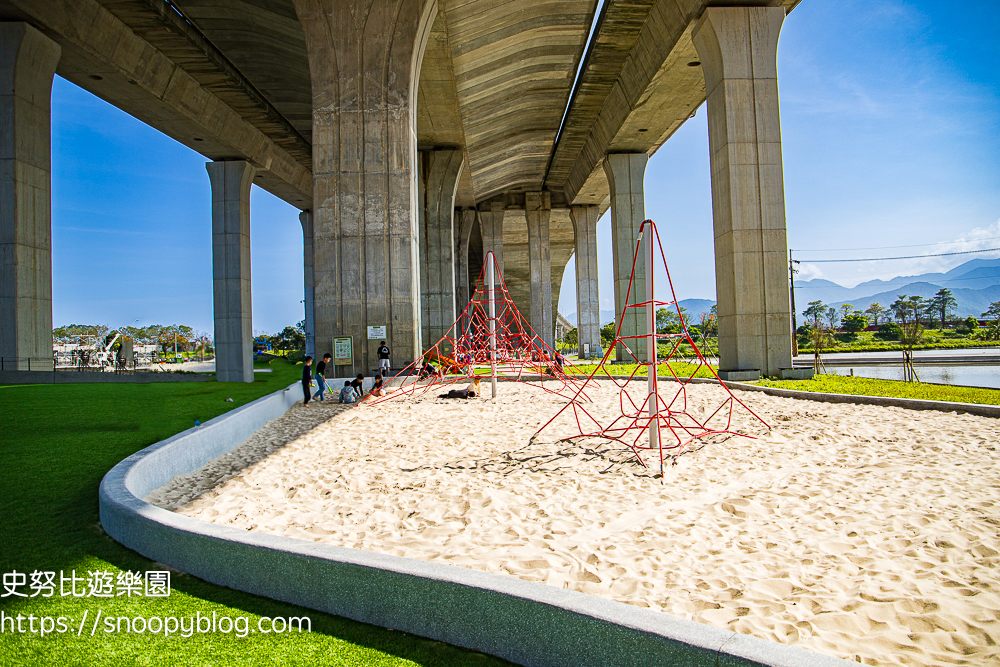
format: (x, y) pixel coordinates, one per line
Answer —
(416, 135)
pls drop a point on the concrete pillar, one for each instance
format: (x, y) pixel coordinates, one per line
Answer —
(27, 62)
(439, 181)
(625, 173)
(231, 181)
(364, 62)
(588, 303)
(467, 220)
(491, 214)
(537, 209)
(308, 263)
(737, 47)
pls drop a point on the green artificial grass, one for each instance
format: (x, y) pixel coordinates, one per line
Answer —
(858, 386)
(56, 443)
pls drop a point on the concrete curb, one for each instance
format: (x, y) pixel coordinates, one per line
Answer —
(524, 622)
(822, 397)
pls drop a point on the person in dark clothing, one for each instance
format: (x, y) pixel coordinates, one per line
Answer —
(383, 359)
(357, 385)
(321, 377)
(307, 380)
(378, 386)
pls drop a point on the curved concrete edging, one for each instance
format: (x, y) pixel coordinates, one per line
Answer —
(525, 622)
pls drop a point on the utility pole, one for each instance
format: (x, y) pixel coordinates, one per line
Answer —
(791, 282)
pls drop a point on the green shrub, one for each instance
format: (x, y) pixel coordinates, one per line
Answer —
(889, 331)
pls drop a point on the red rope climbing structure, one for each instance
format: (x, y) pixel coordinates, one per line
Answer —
(490, 340)
(654, 417)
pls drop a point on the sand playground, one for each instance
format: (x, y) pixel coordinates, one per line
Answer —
(863, 532)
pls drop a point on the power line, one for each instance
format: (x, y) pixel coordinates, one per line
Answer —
(891, 247)
(883, 259)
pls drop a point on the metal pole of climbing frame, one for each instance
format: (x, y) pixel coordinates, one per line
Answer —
(493, 324)
(654, 423)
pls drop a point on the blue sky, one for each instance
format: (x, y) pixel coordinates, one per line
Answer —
(890, 115)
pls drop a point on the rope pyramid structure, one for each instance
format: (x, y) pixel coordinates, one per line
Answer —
(490, 340)
(655, 420)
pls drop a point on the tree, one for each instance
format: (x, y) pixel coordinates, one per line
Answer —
(831, 316)
(854, 322)
(571, 337)
(943, 304)
(289, 338)
(993, 311)
(816, 312)
(667, 320)
(707, 324)
(971, 323)
(876, 312)
(908, 311)
(607, 334)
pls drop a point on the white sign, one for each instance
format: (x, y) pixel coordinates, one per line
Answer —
(376, 333)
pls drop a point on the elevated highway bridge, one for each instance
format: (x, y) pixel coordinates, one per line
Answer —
(415, 136)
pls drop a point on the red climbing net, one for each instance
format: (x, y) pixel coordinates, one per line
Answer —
(657, 409)
(489, 339)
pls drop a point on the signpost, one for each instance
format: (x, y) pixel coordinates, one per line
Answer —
(376, 333)
(343, 351)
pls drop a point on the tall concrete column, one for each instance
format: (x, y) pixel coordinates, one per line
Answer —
(231, 181)
(588, 303)
(467, 219)
(491, 214)
(364, 62)
(738, 47)
(27, 62)
(537, 209)
(625, 173)
(308, 263)
(439, 181)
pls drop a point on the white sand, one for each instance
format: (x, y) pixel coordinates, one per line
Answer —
(863, 532)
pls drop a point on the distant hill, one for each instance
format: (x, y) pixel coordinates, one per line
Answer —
(970, 301)
(975, 274)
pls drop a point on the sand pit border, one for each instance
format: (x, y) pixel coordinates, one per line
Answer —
(524, 622)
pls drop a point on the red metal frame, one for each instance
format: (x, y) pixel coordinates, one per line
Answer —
(657, 408)
(521, 354)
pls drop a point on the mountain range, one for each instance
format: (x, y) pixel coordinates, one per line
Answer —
(974, 284)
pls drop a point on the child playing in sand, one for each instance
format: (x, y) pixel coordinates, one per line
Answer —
(358, 384)
(377, 386)
(347, 394)
(469, 392)
(307, 381)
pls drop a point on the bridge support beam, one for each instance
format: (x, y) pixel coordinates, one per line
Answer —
(439, 171)
(467, 219)
(537, 210)
(491, 214)
(364, 60)
(308, 266)
(738, 47)
(588, 303)
(27, 63)
(231, 181)
(625, 172)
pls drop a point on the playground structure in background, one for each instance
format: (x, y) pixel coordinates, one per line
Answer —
(491, 340)
(658, 412)
(97, 353)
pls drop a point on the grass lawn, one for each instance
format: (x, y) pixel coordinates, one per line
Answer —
(934, 339)
(845, 384)
(56, 443)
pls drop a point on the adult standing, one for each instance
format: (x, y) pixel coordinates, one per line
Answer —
(306, 381)
(321, 377)
(383, 359)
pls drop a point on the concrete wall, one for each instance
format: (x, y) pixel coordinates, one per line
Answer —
(525, 622)
(364, 60)
(27, 63)
(588, 302)
(308, 280)
(537, 211)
